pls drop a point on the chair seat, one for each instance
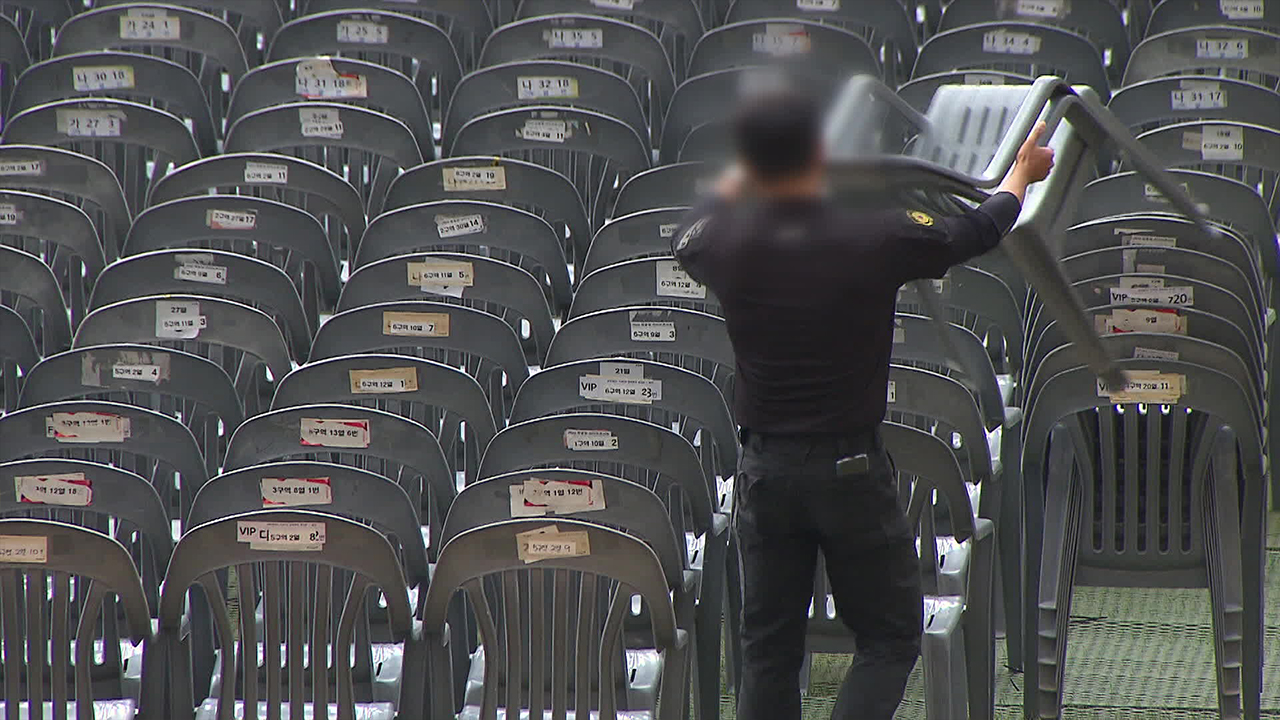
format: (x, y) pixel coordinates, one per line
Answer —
(102, 710)
(208, 710)
(644, 673)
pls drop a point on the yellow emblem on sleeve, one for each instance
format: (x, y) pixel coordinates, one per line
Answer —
(920, 218)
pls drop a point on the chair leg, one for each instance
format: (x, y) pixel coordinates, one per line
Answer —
(1226, 582)
(1061, 540)
(733, 622)
(708, 627)
(1009, 542)
(979, 635)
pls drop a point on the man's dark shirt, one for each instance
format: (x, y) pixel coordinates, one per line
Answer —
(809, 292)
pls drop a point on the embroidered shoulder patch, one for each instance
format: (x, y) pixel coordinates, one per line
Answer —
(921, 218)
(692, 233)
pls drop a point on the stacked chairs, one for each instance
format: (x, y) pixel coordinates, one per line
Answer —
(231, 358)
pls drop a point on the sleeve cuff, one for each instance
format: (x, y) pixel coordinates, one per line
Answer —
(1003, 208)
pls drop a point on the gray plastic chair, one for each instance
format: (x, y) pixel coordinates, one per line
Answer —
(885, 24)
(983, 303)
(1193, 536)
(1148, 104)
(14, 57)
(593, 592)
(60, 234)
(214, 273)
(252, 20)
(1256, 164)
(1209, 49)
(138, 142)
(149, 80)
(74, 177)
(468, 23)
(399, 449)
(245, 342)
(29, 287)
(365, 147)
(170, 382)
(506, 181)
(51, 670)
(686, 338)
(544, 82)
(1177, 14)
(1023, 47)
(443, 398)
(304, 611)
(626, 49)
(18, 355)
(677, 22)
(473, 227)
(367, 85)
(644, 233)
(305, 185)
(657, 282)
(779, 40)
(490, 285)
(1099, 20)
(595, 151)
(919, 92)
(662, 187)
(418, 49)
(281, 234)
(916, 339)
(156, 447)
(481, 343)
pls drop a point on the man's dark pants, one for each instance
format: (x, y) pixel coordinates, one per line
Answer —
(791, 504)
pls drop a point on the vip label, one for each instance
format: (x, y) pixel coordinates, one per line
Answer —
(289, 536)
(327, 432)
(1181, 296)
(63, 489)
(1147, 386)
(636, 391)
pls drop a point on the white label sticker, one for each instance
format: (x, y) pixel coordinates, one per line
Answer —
(899, 334)
(673, 281)
(668, 230)
(555, 131)
(26, 168)
(102, 77)
(327, 432)
(615, 4)
(1147, 386)
(619, 369)
(1141, 353)
(462, 179)
(1158, 321)
(266, 173)
(1040, 8)
(137, 371)
(208, 274)
(548, 542)
(1243, 9)
(647, 331)
(64, 489)
(317, 79)
(448, 226)
(155, 25)
(782, 40)
(1180, 296)
(893, 392)
(385, 381)
(24, 549)
(1007, 42)
(287, 536)
(87, 427)
(320, 122)
(180, 320)
(575, 38)
(363, 33)
(636, 391)
(1222, 48)
(818, 5)
(1222, 142)
(10, 214)
(441, 276)
(1139, 281)
(277, 492)
(231, 219)
(1198, 96)
(415, 324)
(535, 497)
(586, 440)
(1163, 241)
(537, 87)
(90, 123)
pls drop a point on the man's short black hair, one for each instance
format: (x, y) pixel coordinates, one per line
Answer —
(777, 133)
